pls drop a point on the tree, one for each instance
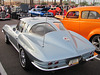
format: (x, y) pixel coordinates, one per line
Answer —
(84, 3)
(43, 3)
(0, 2)
(31, 2)
(60, 2)
(72, 2)
(55, 2)
(96, 3)
(65, 2)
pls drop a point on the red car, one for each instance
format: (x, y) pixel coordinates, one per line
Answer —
(4, 13)
(53, 10)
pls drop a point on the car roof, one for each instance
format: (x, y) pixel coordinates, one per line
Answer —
(33, 20)
(30, 21)
(96, 8)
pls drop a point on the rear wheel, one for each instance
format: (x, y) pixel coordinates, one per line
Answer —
(96, 42)
(24, 60)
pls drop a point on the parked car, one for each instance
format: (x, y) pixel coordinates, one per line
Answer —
(20, 12)
(85, 21)
(53, 10)
(43, 12)
(46, 44)
(4, 13)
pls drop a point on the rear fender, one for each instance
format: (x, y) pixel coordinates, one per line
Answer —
(93, 32)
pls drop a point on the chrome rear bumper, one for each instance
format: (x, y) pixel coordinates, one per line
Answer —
(91, 58)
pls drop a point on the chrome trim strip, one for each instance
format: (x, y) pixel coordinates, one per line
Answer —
(14, 46)
(91, 58)
(49, 69)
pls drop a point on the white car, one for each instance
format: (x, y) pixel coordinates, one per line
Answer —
(46, 44)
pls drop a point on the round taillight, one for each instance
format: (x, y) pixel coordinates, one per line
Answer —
(50, 63)
(56, 62)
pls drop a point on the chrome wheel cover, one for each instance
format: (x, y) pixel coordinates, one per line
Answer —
(22, 58)
(96, 42)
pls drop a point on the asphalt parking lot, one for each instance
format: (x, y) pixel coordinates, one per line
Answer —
(9, 61)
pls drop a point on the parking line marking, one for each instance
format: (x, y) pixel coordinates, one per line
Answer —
(2, 71)
(97, 58)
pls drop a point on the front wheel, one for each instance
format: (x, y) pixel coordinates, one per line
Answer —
(24, 60)
(96, 42)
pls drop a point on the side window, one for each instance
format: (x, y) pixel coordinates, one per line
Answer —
(85, 14)
(20, 26)
(93, 15)
(73, 14)
(90, 15)
(42, 29)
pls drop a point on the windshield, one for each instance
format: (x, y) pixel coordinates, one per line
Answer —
(37, 9)
(59, 25)
(45, 9)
